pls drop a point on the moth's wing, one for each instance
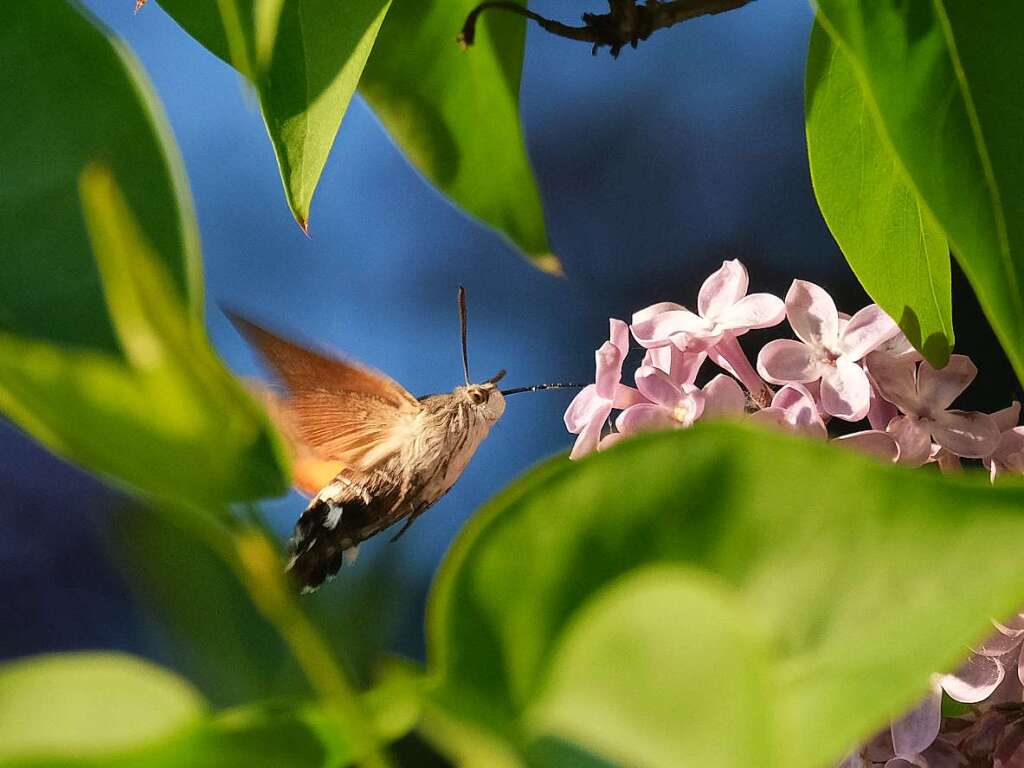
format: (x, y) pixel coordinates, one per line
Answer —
(356, 429)
(303, 370)
(336, 414)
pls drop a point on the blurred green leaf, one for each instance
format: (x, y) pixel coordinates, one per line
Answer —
(958, 137)
(456, 114)
(638, 652)
(107, 710)
(892, 242)
(219, 637)
(857, 580)
(171, 421)
(319, 52)
(83, 704)
(216, 635)
(89, 103)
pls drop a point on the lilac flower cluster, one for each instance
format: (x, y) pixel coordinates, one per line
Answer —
(850, 368)
(839, 366)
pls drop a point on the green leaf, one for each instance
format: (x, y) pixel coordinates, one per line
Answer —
(61, 112)
(216, 635)
(85, 704)
(166, 417)
(958, 137)
(456, 114)
(892, 242)
(842, 568)
(108, 710)
(638, 655)
(320, 49)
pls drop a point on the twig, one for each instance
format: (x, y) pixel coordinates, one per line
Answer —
(259, 568)
(625, 24)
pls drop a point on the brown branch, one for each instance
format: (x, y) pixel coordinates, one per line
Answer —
(626, 23)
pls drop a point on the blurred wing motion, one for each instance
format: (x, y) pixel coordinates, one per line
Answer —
(336, 414)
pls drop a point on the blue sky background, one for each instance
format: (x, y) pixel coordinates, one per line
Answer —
(653, 168)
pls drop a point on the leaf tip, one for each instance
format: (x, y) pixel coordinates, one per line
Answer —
(139, 4)
(548, 262)
(303, 225)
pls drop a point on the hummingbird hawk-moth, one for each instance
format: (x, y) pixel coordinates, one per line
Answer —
(369, 452)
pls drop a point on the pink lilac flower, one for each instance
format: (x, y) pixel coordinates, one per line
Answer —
(872, 442)
(793, 409)
(826, 351)
(913, 735)
(924, 395)
(669, 405)
(590, 409)
(723, 397)
(1009, 453)
(880, 411)
(724, 311)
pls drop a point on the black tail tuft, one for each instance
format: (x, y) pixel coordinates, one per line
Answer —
(315, 548)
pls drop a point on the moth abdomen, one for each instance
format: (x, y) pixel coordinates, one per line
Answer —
(341, 516)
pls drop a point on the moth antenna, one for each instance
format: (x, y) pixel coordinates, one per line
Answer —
(539, 387)
(462, 326)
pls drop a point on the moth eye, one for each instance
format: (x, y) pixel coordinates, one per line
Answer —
(478, 396)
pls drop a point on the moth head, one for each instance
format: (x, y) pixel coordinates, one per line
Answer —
(485, 399)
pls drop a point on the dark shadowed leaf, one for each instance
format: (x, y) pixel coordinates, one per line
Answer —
(938, 76)
(455, 114)
(833, 573)
(72, 94)
(892, 242)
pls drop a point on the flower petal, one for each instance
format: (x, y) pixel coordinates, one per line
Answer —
(880, 411)
(813, 314)
(845, 391)
(644, 418)
(723, 396)
(758, 310)
(588, 440)
(913, 439)
(974, 681)
(895, 379)
(1008, 418)
(618, 334)
(784, 361)
(801, 410)
(692, 406)
(722, 289)
(898, 345)
(1000, 642)
(584, 408)
(655, 309)
(656, 386)
(682, 367)
(610, 439)
(866, 331)
(916, 730)
(626, 396)
(939, 388)
(655, 331)
(609, 369)
(969, 434)
(872, 442)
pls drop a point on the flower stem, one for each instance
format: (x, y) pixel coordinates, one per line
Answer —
(728, 354)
